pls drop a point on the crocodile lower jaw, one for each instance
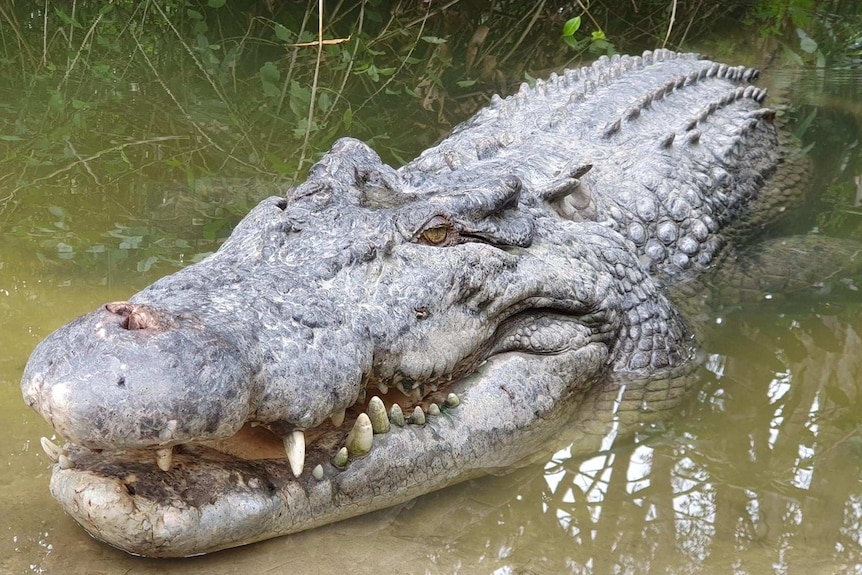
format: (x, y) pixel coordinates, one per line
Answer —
(209, 500)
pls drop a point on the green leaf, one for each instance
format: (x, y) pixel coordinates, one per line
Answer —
(598, 35)
(434, 39)
(571, 26)
(145, 265)
(216, 3)
(808, 45)
(465, 83)
(283, 33)
(10, 138)
(56, 102)
(347, 118)
(269, 73)
(194, 14)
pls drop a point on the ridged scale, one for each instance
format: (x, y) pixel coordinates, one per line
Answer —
(680, 148)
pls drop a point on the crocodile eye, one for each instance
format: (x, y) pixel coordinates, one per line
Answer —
(436, 235)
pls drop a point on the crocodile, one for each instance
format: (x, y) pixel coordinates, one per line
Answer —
(380, 333)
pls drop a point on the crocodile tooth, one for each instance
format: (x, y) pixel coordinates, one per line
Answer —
(51, 449)
(294, 446)
(384, 389)
(65, 462)
(418, 417)
(396, 416)
(362, 394)
(377, 415)
(360, 437)
(453, 400)
(340, 459)
(317, 472)
(164, 458)
(400, 386)
(337, 418)
(167, 433)
(433, 409)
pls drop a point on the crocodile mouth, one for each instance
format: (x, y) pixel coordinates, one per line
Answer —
(395, 443)
(534, 326)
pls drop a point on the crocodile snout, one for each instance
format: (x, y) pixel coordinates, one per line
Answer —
(135, 372)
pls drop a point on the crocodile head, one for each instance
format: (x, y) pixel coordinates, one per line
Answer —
(247, 396)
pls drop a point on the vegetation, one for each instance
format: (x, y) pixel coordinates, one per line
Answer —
(151, 103)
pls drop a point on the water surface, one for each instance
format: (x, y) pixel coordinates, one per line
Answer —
(760, 471)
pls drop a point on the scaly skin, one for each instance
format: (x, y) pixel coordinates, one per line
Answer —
(521, 264)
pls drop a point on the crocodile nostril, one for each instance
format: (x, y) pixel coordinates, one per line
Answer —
(134, 316)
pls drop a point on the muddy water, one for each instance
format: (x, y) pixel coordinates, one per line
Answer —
(760, 471)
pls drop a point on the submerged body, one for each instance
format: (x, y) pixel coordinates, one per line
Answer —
(506, 286)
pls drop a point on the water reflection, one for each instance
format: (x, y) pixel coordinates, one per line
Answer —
(759, 474)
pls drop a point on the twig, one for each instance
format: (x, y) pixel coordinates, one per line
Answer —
(346, 77)
(670, 23)
(90, 158)
(313, 84)
(403, 61)
(206, 75)
(317, 42)
(529, 27)
(78, 53)
(179, 106)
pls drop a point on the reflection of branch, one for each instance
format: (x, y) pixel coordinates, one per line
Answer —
(95, 156)
(13, 23)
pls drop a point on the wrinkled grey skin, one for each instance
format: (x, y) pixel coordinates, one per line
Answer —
(559, 216)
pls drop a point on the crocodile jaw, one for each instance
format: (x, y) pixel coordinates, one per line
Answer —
(210, 501)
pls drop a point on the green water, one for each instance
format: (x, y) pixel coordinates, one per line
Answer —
(760, 471)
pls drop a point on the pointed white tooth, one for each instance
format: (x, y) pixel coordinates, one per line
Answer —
(360, 438)
(317, 472)
(51, 449)
(434, 409)
(164, 458)
(65, 462)
(418, 417)
(452, 400)
(340, 459)
(384, 389)
(294, 446)
(396, 416)
(337, 418)
(377, 415)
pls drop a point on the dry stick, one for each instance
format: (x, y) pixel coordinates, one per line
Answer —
(590, 16)
(313, 84)
(427, 15)
(340, 92)
(78, 53)
(401, 67)
(9, 17)
(670, 24)
(72, 23)
(524, 34)
(45, 35)
(84, 161)
(287, 78)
